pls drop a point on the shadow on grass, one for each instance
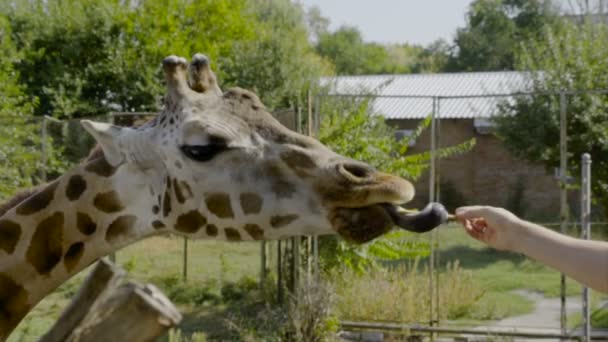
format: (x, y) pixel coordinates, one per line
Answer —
(236, 321)
(472, 258)
(468, 257)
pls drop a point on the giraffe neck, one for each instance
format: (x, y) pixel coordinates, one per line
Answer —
(75, 220)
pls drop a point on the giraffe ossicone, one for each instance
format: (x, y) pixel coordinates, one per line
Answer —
(211, 165)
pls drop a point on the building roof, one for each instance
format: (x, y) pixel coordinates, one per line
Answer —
(417, 86)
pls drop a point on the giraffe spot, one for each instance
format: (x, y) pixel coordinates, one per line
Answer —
(251, 203)
(278, 184)
(158, 224)
(178, 192)
(232, 234)
(187, 189)
(85, 224)
(45, 249)
(281, 221)
(299, 162)
(100, 167)
(211, 230)
(13, 304)
(167, 203)
(73, 255)
(255, 231)
(38, 201)
(9, 235)
(168, 182)
(155, 209)
(219, 204)
(190, 222)
(120, 227)
(108, 202)
(75, 188)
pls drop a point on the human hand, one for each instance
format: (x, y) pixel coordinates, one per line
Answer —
(496, 227)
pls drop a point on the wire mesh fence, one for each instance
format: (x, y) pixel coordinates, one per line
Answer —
(490, 174)
(35, 150)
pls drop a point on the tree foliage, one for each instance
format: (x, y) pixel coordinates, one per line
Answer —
(494, 29)
(573, 58)
(280, 63)
(82, 58)
(350, 129)
(17, 154)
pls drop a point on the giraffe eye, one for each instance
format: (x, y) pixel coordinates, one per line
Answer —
(202, 153)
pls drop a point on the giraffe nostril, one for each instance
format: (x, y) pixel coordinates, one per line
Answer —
(356, 172)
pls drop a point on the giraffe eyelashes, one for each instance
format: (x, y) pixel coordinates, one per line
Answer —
(203, 153)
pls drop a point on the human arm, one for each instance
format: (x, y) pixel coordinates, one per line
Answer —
(583, 260)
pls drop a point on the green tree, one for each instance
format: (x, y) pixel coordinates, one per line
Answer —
(346, 49)
(280, 63)
(351, 130)
(573, 58)
(494, 29)
(18, 151)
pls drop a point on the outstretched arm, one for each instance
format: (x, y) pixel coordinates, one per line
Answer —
(584, 260)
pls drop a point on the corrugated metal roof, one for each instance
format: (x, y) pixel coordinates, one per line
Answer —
(446, 84)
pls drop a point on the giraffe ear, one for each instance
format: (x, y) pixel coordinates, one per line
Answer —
(107, 136)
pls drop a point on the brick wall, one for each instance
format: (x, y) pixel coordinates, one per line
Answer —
(488, 174)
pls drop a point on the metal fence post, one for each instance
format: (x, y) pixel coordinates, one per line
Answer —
(432, 175)
(44, 149)
(563, 177)
(586, 234)
(185, 260)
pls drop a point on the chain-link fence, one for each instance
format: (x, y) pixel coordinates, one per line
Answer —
(506, 284)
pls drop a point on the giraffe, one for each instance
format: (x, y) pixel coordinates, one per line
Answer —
(211, 165)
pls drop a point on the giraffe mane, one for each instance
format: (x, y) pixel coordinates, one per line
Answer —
(22, 195)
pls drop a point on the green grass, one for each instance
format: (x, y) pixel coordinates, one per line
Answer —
(502, 272)
(159, 260)
(214, 266)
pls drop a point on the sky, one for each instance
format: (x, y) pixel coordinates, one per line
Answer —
(396, 21)
(411, 21)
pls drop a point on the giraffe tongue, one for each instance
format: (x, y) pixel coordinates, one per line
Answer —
(433, 215)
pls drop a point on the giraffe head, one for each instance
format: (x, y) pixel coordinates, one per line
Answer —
(220, 166)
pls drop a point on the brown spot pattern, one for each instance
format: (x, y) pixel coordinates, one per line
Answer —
(73, 255)
(251, 203)
(279, 184)
(255, 231)
(13, 304)
(158, 224)
(167, 203)
(280, 221)
(232, 234)
(186, 189)
(37, 201)
(120, 227)
(155, 209)
(178, 192)
(9, 235)
(108, 202)
(219, 204)
(45, 249)
(211, 230)
(75, 188)
(85, 224)
(100, 167)
(190, 222)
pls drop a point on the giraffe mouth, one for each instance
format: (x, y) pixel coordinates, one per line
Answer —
(367, 223)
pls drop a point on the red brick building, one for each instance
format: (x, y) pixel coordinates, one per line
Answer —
(488, 174)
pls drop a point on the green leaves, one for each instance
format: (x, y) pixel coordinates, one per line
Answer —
(348, 127)
(494, 30)
(574, 57)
